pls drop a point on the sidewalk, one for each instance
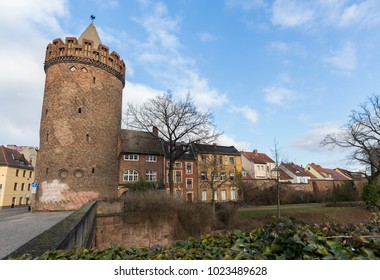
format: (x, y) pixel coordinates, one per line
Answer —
(16, 230)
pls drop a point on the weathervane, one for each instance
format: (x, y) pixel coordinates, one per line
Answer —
(92, 18)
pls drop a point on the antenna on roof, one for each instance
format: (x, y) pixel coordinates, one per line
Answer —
(92, 18)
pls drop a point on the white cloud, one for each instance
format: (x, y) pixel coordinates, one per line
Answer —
(246, 5)
(24, 27)
(278, 95)
(160, 54)
(229, 140)
(310, 140)
(290, 13)
(336, 13)
(206, 37)
(345, 58)
(249, 113)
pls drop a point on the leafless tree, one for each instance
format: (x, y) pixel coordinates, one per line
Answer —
(277, 155)
(361, 136)
(177, 121)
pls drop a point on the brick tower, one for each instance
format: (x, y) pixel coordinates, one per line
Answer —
(80, 123)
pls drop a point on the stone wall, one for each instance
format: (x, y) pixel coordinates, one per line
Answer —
(130, 230)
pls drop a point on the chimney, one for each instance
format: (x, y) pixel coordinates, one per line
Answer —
(255, 152)
(155, 131)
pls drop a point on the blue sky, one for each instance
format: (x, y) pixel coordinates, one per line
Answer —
(287, 70)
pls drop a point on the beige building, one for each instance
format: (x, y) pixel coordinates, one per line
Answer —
(16, 177)
(258, 165)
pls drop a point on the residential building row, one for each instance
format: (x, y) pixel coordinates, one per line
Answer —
(201, 172)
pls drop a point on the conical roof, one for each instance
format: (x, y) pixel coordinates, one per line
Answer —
(90, 34)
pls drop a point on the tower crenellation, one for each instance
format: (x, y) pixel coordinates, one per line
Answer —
(86, 52)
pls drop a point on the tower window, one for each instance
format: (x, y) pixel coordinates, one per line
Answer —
(88, 137)
(93, 170)
(79, 110)
(47, 170)
(72, 68)
(84, 70)
(47, 136)
(93, 79)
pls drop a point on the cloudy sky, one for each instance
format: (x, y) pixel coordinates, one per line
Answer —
(290, 70)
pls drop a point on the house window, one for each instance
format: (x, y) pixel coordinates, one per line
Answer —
(131, 175)
(204, 195)
(214, 176)
(223, 195)
(178, 177)
(22, 186)
(132, 157)
(233, 194)
(151, 158)
(17, 171)
(28, 187)
(232, 176)
(220, 160)
(24, 173)
(203, 158)
(178, 194)
(222, 176)
(20, 201)
(232, 160)
(189, 183)
(215, 195)
(189, 168)
(244, 173)
(203, 176)
(30, 174)
(15, 187)
(178, 164)
(214, 160)
(151, 176)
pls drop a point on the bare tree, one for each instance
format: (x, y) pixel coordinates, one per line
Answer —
(361, 136)
(276, 153)
(177, 121)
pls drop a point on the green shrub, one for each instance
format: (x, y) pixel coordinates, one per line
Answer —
(370, 194)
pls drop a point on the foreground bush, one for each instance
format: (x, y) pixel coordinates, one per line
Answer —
(277, 240)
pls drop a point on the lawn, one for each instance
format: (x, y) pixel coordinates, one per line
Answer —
(249, 218)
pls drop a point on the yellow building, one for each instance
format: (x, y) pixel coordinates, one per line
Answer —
(16, 177)
(219, 168)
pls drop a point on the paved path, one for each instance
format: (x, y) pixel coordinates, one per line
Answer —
(19, 227)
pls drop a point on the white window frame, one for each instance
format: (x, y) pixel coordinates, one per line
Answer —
(189, 171)
(187, 185)
(223, 176)
(151, 176)
(131, 157)
(151, 158)
(177, 164)
(214, 176)
(175, 176)
(215, 194)
(130, 176)
(232, 176)
(223, 195)
(204, 196)
(232, 160)
(233, 194)
(203, 174)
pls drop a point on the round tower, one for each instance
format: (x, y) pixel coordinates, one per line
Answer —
(80, 123)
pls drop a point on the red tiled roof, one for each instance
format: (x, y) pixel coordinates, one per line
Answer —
(296, 169)
(328, 173)
(13, 158)
(284, 175)
(257, 157)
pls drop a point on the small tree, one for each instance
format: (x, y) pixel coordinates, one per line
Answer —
(370, 195)
(276, 153)
(177, 121)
